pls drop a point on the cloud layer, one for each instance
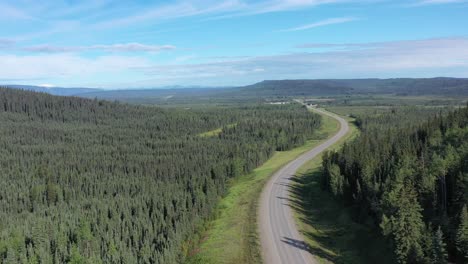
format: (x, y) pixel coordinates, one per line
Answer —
(64, 66)
(424, 58)
(128, 47)
(437, 2)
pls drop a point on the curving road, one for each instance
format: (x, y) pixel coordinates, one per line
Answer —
(280, 240)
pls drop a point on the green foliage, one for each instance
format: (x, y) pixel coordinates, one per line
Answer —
(405, 225)
(75, 257)
(336, 180)
(89, 181)
(231, 237)
(462, 235)
(439, 251)
(408, 173)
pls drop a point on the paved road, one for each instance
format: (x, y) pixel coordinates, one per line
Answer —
(279, 237)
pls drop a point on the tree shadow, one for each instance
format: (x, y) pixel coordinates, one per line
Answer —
(283, 184)
(337, 237)
(302, 245)
(296, 243)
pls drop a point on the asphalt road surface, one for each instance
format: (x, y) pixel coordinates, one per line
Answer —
(280, 239)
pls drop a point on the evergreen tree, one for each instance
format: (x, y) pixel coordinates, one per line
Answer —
(462, 235)
(407, 173)
(407, 227)
(105, 182)
(75, 257)
(439, 252)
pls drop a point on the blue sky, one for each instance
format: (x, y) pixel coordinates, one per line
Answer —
(142, 44)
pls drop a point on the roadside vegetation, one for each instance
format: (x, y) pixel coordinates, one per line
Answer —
(232, 236)
(328, 227)
(405, 177)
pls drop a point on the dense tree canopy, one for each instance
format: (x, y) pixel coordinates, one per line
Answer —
(408, 173)
(88, 181)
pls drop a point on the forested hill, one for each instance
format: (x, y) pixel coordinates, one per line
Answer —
(274, 89)
(410, 178)
(90, 181)
(409, 86)
(55, 90)
(330, 87)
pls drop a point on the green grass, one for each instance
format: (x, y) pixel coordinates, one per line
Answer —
(214, 132)
(232, 236)
(327, 226)
(211, 133)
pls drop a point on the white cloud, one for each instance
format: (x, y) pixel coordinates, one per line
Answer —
(217, 9)
(417, 58)
(286, 5)
(437, 2)
(62, 17)
(65, 66)
(127, 47)
(412, 58)
(272, 6)
(6, 43)
(46, 85)
(172, 11)
(325, 22)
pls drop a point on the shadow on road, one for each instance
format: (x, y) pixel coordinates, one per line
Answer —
(283, 184)
(297, 244)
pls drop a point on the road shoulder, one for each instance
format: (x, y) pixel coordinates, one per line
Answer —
(274, 220)
(232, 236)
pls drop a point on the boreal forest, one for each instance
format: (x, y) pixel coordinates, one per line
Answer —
(406, 175)
(90, 181)
(234, 132)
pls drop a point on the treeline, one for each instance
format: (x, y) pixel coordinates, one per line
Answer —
(90, 181)
(409, 178)
(332, 87)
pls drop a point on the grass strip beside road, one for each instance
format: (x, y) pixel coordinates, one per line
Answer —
(232, 235)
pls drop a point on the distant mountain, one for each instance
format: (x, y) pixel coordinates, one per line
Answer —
(265, 89)
(327, 87)
(440, 86)
(53, 90)
(406, 86)
(271, 89)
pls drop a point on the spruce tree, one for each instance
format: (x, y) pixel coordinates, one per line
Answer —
(462, 235)
(439, 251)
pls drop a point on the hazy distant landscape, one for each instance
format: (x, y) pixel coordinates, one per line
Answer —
(274, 90)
